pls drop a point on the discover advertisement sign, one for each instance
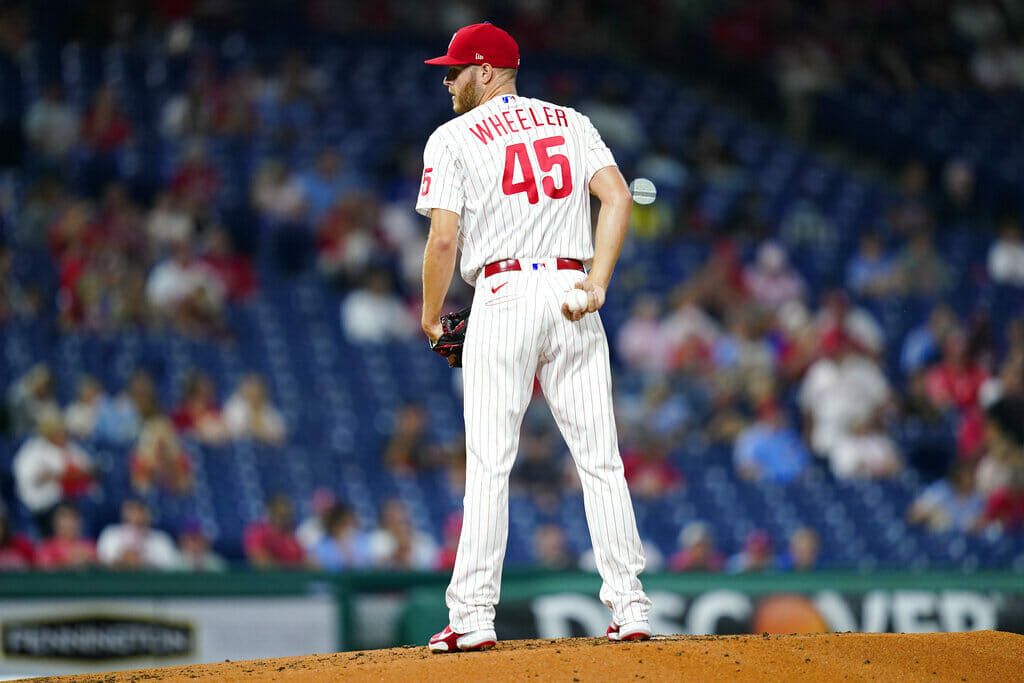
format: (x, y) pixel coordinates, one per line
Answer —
(733, 612)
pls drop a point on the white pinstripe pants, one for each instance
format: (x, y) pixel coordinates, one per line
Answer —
(514, 334)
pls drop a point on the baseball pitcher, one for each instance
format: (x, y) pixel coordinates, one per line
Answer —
(508, 182)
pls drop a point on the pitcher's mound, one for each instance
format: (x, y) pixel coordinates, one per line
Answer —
(975, 656)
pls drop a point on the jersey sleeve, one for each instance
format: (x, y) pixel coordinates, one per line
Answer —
(598, 154)
(441, 184)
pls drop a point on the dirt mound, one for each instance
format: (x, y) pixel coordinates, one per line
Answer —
(975, 656)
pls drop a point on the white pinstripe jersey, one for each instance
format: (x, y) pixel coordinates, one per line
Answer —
(517, 171)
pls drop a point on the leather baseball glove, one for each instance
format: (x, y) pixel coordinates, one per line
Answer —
(449, 344)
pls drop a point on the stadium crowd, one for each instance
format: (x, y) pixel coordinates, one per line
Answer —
(741, 351)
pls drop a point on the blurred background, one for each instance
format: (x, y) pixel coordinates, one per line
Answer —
(209, 294)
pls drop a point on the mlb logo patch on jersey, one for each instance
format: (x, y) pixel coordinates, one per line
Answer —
(540, 266)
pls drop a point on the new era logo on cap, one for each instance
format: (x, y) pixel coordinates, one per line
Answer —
(471, 43)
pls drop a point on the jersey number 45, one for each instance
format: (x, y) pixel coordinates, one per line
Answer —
(518, 153)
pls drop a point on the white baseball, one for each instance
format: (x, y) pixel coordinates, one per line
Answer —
(577, 300)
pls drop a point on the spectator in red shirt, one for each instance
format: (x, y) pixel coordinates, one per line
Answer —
(198, 416)
(67, 548)
(270, 543)
(16, 551)
(1005, 506)
(196, 180)
(648, 471)
(105, 128)
(235, 271)
(450, 538)
(954, 383)
(696, 551)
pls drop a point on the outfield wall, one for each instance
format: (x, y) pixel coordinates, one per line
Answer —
(68, 622)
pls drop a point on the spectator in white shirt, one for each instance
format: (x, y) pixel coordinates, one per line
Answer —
(134, 543)
(49, 469)
(374, 313)
(395, 544)
(866, 452)
(249, 414)
(1006, 256)
(80, 416)
(187, 292)
(643, 343)
(51, 125)
(840, 390)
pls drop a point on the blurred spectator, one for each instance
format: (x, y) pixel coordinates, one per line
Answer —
(921, 269)
(395, 544)
(235, 271)
(105, 128)
(134, 544)
(326, 182)
(192, 111)
(287, 107)
(409, 448)
(803, 552)
(270, 542)
(249, 414)
(806, 226)
(195, 553)
(196, 181)
(697, 551)
(537, 472)
(841, 389)
(1004, 508)
(648, 470)
(954, 383)
(1006, 255)
(871, 271)
(375, 314)
(344, 546)
(770, 450)
(865, 452)
(743, 351)
(43, 202)
(949, 504)
(119, 419)
(859, 325)
(312, 529)
(614, 119)
(48, 469)
(757, 555)
(185, 292)
(51, 125)
(81, 415)
(277, 193)
(16, 299)
(712, 159)
(198, 416)
(643, 343)
(921, 346)
(159, 462)
(959, 207)
(345, 240)
(451, 531)
(33, 395)
(770, 280)
(16, 551)
(169, 223)
(551, 549)
(67, 548)
(804, 67)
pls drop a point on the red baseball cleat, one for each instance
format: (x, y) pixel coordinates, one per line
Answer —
(637, 630)
(450, 641)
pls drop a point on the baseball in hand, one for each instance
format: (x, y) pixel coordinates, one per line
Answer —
(576, 300)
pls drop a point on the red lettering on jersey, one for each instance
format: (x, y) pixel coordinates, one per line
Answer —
(560, 115)
(533, 115)
(522, 119)
(482, 129)
(499, 127)
(510, 122)
(548, 114)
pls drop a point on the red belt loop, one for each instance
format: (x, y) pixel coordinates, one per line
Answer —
(513, 264)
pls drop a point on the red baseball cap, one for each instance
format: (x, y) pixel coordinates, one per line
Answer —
(480, 43)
